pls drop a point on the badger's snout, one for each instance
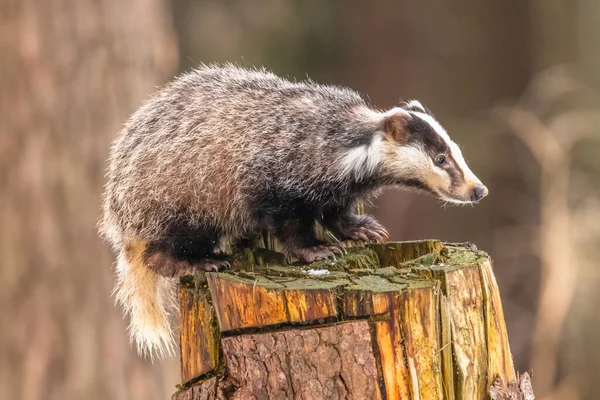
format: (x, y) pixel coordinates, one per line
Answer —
(479, 192)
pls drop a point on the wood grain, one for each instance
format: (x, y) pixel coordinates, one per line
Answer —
(411, 320)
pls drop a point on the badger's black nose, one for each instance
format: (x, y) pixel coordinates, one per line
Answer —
(479, 192)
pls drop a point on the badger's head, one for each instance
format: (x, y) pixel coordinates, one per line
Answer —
(411, 149)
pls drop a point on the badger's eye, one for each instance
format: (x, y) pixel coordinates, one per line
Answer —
(440, 160)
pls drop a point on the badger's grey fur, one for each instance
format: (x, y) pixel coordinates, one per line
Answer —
(226, 151)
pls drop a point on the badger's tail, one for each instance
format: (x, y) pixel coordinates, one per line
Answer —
(148, 298)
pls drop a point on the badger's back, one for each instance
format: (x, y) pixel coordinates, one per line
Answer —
(207, 142)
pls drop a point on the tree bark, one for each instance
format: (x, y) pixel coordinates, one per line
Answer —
(410, 320)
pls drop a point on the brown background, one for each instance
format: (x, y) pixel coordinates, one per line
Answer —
(514, 82)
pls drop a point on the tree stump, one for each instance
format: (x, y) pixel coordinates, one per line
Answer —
(399, 320)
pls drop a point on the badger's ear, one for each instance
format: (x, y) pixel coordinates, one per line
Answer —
(415, 105)
(395, 124)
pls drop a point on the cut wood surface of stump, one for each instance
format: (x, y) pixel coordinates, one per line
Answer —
(398, 320)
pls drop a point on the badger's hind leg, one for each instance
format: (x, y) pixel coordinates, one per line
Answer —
(184, 248)
(165, 264)
(344, 222)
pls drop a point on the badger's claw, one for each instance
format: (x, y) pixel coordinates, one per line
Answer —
(337, 248)
(343, 249)
(360, 236)
(318, 253)
(164, 264)
(211, 265)
(182, 268)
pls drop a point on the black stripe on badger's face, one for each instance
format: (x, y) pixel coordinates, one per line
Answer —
(421, 132)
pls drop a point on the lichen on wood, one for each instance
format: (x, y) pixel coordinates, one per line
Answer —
(429, 314)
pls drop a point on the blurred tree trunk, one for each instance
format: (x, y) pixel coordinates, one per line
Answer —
(70, 73)
(584, 325)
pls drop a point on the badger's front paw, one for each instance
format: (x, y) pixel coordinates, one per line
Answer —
(365, 228)
(318, 253)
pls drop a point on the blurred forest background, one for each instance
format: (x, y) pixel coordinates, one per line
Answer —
(515, 82)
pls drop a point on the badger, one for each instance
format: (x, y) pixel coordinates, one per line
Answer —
(226, 152)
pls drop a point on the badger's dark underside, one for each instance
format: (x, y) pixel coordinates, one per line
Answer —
(186, 246)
